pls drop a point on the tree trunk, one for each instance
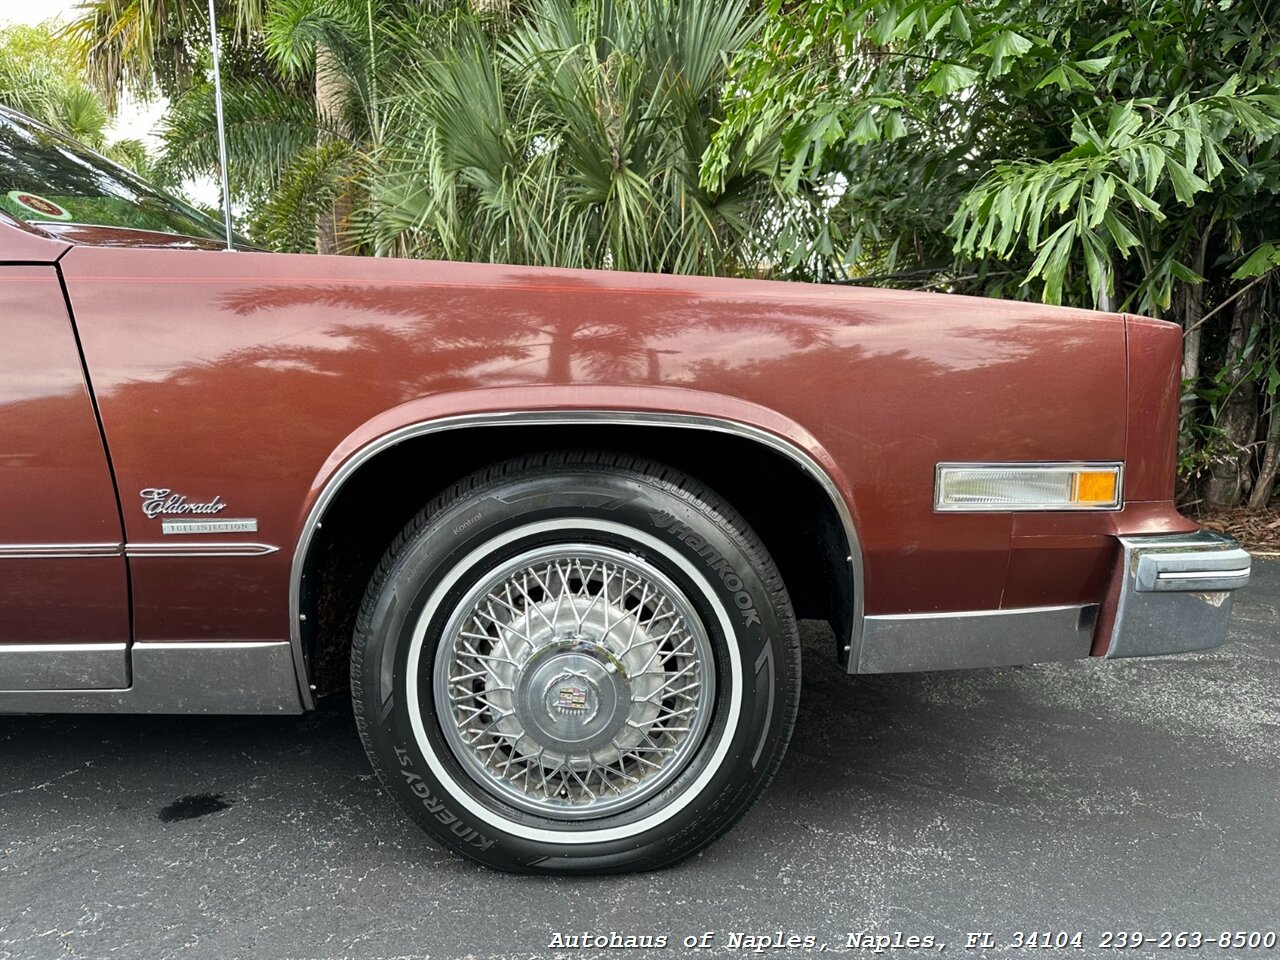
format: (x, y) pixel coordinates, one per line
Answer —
(1238, 419)
(498, 9)
(1192, 311)
(1270, 469)
(331, 94)
(1188, 304)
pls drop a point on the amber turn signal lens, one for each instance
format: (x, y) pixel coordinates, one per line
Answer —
(1095, 486)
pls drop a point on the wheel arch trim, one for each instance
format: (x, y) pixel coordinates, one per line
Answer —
(348, 468)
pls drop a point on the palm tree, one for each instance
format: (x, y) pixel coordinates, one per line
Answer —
(571, 133)
(574, 140)
(291, 69)
(150, 45)
(37, 79)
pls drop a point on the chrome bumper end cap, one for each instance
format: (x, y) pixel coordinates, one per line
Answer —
(1175, 596)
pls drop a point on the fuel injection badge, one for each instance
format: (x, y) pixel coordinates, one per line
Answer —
(162, 502)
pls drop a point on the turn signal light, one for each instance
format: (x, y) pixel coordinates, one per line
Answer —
(1097, 486)
(1028, 486)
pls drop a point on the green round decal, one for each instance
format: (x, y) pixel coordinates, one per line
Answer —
(39, 205)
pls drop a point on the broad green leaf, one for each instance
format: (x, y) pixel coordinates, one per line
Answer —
(1125, 239)
(1141, 200)
(939, 19)
(1186, 184)
(1191, 139)
(1096, 264)
(1066, 77)
(1211, 161)
(886, 23)
(913, 20)
(1104, 189)
(1062, 197)
(947, 78)
(1094, 65)
(1266, 256)
(1153, 160)
(865, 129)
(1004, 48)
(1123, 122)
(1184, 273)
(1110, 41)
(1049, 248)
(893, 125)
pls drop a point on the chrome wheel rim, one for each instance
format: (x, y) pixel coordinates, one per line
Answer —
(574, 681)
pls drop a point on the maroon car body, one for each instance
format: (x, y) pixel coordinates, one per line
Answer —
(254, 377)
(204, 454)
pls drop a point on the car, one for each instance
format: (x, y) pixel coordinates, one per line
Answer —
(552, 529)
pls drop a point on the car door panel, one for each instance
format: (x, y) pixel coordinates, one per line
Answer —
(64, 594)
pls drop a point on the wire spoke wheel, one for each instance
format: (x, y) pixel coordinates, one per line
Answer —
(574, 681)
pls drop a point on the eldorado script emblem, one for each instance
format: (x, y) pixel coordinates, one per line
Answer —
(161, 501)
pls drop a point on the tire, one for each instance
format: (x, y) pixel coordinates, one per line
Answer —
(576, 663)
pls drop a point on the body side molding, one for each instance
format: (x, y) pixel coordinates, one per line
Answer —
(28, 551)
(135, 549)
(253, 677)
(364, 454)
(63, 666)
(985, 638)
(210, 549)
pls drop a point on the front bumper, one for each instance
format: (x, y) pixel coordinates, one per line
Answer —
(1175, 593)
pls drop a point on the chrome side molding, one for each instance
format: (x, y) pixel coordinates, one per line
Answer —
(165, 549)
(35, 550)
(217, 677)
(985, 638)
(211, 549)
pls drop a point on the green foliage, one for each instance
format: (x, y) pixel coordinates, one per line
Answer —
(574, 140)
(1070, 130)
(268, 128)
(1091, 153)
(40, 78)
(145, 46)
(310, 185)
(1118, 180)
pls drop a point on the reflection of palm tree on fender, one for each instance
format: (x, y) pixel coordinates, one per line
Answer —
(430, 335)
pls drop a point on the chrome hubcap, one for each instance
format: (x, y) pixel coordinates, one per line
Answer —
(574, 681)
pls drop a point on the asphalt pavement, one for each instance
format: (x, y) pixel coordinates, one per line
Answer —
(1089, 797)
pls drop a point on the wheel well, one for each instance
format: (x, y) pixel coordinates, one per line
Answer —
(789, 510)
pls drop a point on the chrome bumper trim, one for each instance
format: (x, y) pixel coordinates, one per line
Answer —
(214, 677)
(984, 638)
(1176, 593)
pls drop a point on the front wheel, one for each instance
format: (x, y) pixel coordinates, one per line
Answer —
(576, 663)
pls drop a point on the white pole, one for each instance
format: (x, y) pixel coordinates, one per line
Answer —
(222, 130)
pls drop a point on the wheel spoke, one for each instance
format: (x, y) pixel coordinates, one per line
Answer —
(580, 680)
